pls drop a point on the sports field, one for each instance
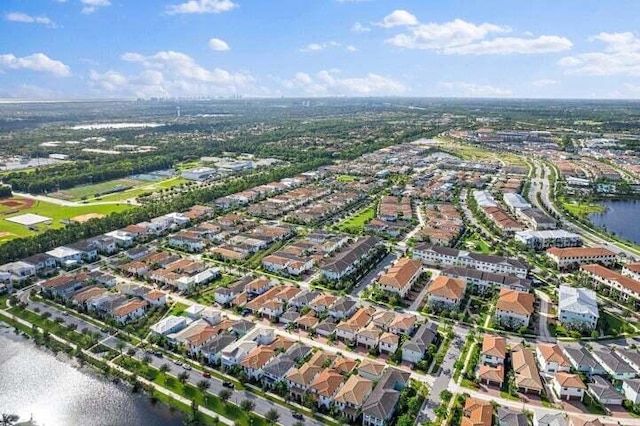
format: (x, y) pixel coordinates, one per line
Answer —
(133, 188)
(17, 206)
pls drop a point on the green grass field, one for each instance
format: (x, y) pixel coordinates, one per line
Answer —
(146, 187)
(355, 224)
(581, 209)
(89, 191)
(10, 230)
(346, 178)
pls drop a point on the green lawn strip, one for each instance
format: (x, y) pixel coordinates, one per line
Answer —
(211, 402)
(54, 328)
(459, 365)
(178, 309)
(63, 308)
(89, 191)
(146, 187)
(207, 295)
(356, 223)
(592, 406)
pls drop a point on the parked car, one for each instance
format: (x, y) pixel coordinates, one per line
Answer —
(186, 366)
(297, 416)
(228, 384)
(206, 375)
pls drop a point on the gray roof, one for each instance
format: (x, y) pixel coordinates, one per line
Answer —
(343, 304)
(218, 343)
(602, 389)
(631, 355)
(633, 384)
(290, 315)
(328, 325)
(426, 335)
(559, 419)
(500, 279)
(538, 215)
(304, 297)
(382, 401)
(486, 258)
(352, 253)
(279, 366)
(578, 300)
(613, 361)
(298, 351)
(582, 357)
(508, 417)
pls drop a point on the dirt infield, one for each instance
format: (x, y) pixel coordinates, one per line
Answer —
(17, 204)
(85, 217)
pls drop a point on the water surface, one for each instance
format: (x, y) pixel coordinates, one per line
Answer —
(621, 218)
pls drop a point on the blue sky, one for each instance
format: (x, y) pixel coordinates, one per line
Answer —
(59, 49)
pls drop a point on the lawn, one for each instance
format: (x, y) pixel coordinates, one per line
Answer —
(146, 187)
(56, 212)
(346, 178)
(206, 296)
(89, 191)
(476, 243)
(611, 324)
(178, 309)
(580, 209)
(355, 224)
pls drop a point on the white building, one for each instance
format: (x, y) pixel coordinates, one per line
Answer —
(577, 307)
(568, 386)
(542, 240)
(168, 325)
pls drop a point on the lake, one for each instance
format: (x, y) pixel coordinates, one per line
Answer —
(36, 384)
(621, 218)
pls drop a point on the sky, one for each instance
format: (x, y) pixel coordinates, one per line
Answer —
(72, 49)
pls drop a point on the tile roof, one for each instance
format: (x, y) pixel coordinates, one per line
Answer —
(399, 275)
(450, 288)
(354, 391)
(525, 369)
(568, 380)
(477, 413)
(551, 352)
(495, 346)
(515, 301)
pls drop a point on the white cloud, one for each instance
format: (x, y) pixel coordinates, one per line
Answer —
(621, 56)
(359, 28)
(319, 47)
(465, 89)
(28, 19)
(170, 73)
(511, 45)
(37, 62)
(399, 18)
(218, 45)
(329, 83)
(544, 82)
(451, 34)
(91, 6)
(201, 6)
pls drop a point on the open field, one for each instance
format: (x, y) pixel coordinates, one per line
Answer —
(355, 224)
(581, 209)
(10, 230)
(135, 188)
(346, 178)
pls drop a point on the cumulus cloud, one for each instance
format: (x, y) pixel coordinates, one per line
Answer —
(330, 83)
(29, 19)
(201, 6)
(359, 28)
(218, 45)
(465, 89)
(90, 6)
(170, 73)
(544, 82)
(460, 37)
(37, 62)
(448, 35)
(398, 18)
(620, 56)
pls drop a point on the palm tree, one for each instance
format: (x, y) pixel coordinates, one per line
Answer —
(164, 369)
(272, 416)
(9, 419)
(146, 359)
(203, 385)
(120, 346)
(247, 405)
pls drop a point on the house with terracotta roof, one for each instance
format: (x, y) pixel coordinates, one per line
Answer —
(632, 270)
(352, 395)
(525, 369)
(272, 309)
(616, 284)
(401, 277)
(446, 292)
(344, 365)
(566, 258)
(255, 361)
(299, 379)
(370, 369)
(551, 358)
(131, 310)
(323, 302)
(568, 386)
(477, 412)
(388, 342)
(494, 350)
(491, 375)
(369, 336)
(308, 321)
(402, 324)
(156, 298)
(514, 308)
(325, 385)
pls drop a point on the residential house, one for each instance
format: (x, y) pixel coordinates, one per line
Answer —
(514, 308)
(613, 364)
(604, 392)
(582, 361)
(558, 419)
(494, 350)
(446, 292)
(568, 386)
(577, 308)
(255, 361)
(551, 358)
(491, 375)
(508, 417)
(380, 406)
(401, 277)
(169, 325)
(352, 395)
(630, 356)
(212, 350)
(566, 258)
(325, 385)
(631, 390)
(526, 375)
(348, 260)
(477, 412)
(276, 369)
(344, 307)
(131, 310)
(619, 285)
(487, 281)
(388, 342)
(371, 370)
(415, 349)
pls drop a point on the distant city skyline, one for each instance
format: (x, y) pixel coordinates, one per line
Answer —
(77, 49)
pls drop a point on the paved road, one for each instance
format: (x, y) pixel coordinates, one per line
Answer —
(543, 317)
(370, 278)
